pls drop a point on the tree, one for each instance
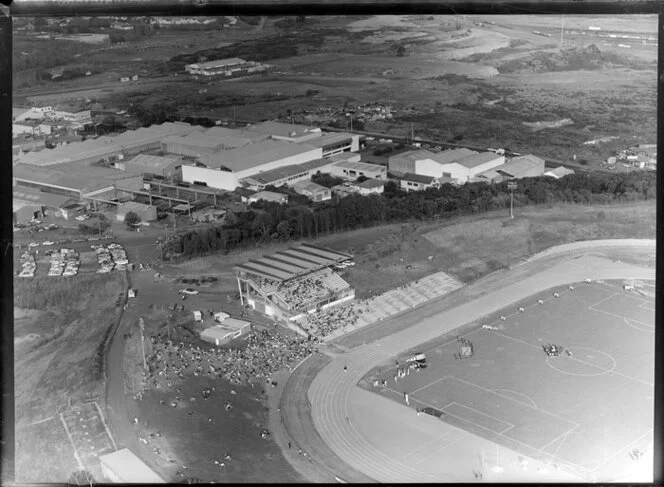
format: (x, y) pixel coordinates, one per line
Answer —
(132, 219)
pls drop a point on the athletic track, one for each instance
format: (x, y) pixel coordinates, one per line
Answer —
(330, 390)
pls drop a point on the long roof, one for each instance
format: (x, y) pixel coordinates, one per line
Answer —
(454, 155)
(560, 171)
(32, 196)
(477, 159)
(310, 186)
(360, 166)
(415, 155)
(282, 129)
(327, 140)
(518, 165)
(418, 178)
(78, 177)
(279, 173)
(293, 262)
(129, 468)
(146, 161)
(218, 63)
(254, 155)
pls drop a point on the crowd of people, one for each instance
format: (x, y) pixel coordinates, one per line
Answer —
(324, 323)
(265, 353)
(298, 293)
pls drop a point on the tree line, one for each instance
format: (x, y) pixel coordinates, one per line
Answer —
(268, 222)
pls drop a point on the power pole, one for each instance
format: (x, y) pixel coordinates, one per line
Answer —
(511, 186)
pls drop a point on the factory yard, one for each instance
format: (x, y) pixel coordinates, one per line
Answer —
(549, 408)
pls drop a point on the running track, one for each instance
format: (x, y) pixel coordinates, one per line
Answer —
(329, 392)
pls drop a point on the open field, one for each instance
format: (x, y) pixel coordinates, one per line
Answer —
(58, 366)
(548, 408)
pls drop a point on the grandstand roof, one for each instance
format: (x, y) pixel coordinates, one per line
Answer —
(291, 263)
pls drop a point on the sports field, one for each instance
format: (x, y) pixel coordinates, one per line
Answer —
(583, 413)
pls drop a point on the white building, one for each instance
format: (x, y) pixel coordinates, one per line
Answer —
(224, 169)
(352, 170)
(225, 67)
(559, 172)
(285, 131)
(418, 182)
(336, 143)
(123, 466)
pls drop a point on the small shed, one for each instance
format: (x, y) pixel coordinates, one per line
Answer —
(229, 330)
(198, 316)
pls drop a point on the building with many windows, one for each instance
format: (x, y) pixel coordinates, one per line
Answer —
(418, 182)
(350, 170)
(225, 67)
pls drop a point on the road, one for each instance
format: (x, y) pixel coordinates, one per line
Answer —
(330, 392)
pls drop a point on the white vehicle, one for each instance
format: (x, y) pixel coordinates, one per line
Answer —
(193, 292)
(33, 244)
(80, 218)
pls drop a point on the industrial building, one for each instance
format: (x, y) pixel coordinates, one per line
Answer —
(226, 67)
(559, 172)
(147, 213)
(29, 204)
(370, 186)
(426, 163)
(352, 170)
(268, 196)
(107, 148)
(285, 131)
(77, 181)
(204, 143)
(527, 166)
(123, 466)
(418, 182)
(288, 175)
(337, 143)
(345, 189)
(224, 169)
(226, 331)
(313, 191)
(144, 164)
(287, 284)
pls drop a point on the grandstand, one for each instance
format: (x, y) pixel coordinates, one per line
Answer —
(290, 283)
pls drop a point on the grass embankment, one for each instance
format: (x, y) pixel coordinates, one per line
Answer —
(62, 364)
(471, 247)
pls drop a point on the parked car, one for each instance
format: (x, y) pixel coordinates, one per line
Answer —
(48, 242)
(193, 292)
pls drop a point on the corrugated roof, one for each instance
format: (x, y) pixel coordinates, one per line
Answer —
(75, 176)
(418, 178)
(454, 155)
(145, 161)
(129, 468)
(274, 175)
(330, 139)
(309, 186)
(518, 165)
(254, 155)
(478, 159)
(371, 183)
(282, 129)
(218, 63)
(39, 197)
(361, 166)
(415, 155)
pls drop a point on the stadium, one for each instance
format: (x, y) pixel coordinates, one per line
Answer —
(289, 284)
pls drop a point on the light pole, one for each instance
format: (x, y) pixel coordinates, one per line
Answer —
(511, 186)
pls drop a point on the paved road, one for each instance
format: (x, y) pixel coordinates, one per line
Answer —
(330, 391)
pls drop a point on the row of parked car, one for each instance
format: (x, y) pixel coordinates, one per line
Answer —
(28, 265)
(111, 257)
(64, 263)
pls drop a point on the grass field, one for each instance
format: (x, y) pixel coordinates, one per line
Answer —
(581, 413)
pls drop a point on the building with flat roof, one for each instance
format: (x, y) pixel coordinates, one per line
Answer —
(289, 283)
(527, 166)
(226, 67)
(76, 180)
(313, 191)
(226, 331)
(418, 182)
(288, 175)
(123, 466)
(166, 167)
(371, 186)
(336, 143)
(353, 170)
(199, 144)
(559, 172)
(425, 162)
(29, 203)
(286, 131)
(224, 169)
(268, 196)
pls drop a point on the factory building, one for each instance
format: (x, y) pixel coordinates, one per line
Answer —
(144, 164)
(199, 144)
(285, 131)
(224, 169)
(462, 170)
(559, 172)
(313, 191)
(77, 181)
(268, 196)
(370, 186)
(527, 166)
(352, 170)
(225, 67)
(337, 143)
(29, 204)
(287, 175)
(424, 162)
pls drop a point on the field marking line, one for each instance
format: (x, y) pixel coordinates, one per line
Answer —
(427, 444)
(71, 440)
(592, 306)
(559, 437)
(648, 329)
(436, 451)
(41, 421)
(518, 394)
(622, 449)
(518, 402)
(649, 305)
(479, 412)
(577, 360)
(429, 384)
(620, 316)
(103, 421)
